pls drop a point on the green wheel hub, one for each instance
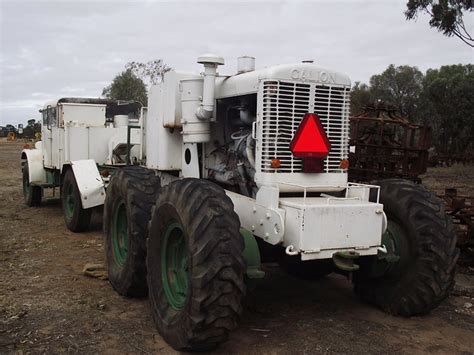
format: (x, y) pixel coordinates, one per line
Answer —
(120, 234)
(174, 265)
(70, 201)
(398, 253)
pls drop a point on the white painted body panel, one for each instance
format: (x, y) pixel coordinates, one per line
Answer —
(89, 183)
(320, 226)
(163, 145)
(81, 115)
(315, 227)
(248, 83)
(47, 139)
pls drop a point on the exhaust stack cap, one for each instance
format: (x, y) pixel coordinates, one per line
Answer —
(245, 64)
(308, 61)
(210, 59)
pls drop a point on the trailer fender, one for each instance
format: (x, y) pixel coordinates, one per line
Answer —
(34, 159)
(89, 182)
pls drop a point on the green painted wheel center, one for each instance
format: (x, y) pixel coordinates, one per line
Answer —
(174, 266)
(392, 238)
(120, 234)
(398, 255)
(70, 201)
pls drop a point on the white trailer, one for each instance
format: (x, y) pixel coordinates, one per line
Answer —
(80, 138)
(243, 168)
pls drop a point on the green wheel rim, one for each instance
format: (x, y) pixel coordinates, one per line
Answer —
(26, 186)
(70, 201)
(398, 254)
(393, 237)
(120, 234)
(174, 266)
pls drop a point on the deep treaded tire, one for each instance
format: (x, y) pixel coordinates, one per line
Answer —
(425, 273)
(31, 194)
(195, 265)
(130, 196)
(76, 218)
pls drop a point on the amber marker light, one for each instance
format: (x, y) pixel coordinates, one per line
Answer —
(276, 163)
(344, 164)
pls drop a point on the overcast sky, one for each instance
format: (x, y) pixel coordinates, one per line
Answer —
(51, 49)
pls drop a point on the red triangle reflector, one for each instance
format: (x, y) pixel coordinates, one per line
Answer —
(310, 139)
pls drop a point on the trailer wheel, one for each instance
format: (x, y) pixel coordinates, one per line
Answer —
(195, 265)
(418, 271)
(130, 197)
(77, 218)
(31, 194)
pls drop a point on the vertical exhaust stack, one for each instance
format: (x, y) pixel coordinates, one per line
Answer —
(210, 62)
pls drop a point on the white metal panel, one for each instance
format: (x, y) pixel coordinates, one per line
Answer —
(295, 181)
(316, 227)
(86, 115)
(248, 83)
(320, 223)
(264, 222)
(57, 144)
(89, 183)
(163, 145)
(98, 143)
(78, 141)
(191, 168)
(46, 137)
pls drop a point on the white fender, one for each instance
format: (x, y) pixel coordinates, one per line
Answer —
(89, 182)
(34, 159)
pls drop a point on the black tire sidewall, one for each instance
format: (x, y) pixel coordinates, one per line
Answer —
(80, 217)
(216, 266)
(120, 276)
(425, 274)
(33, 198)
(137, 188)
(28, 198)
(171, 322)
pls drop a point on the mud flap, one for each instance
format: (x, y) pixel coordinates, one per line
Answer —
(89, 182)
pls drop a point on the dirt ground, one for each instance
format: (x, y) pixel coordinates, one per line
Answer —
(48, 306)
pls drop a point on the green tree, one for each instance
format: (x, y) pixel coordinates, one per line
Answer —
(445, 15)
(361, 96)
(126, 86)
(447, 105)
(398, 86)
(150, 72)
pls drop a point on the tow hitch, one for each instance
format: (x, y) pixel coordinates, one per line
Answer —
(344, 260)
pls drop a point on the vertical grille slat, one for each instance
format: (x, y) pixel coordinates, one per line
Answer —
(285, 104)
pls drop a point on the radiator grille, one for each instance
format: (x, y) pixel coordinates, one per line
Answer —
(285, 104)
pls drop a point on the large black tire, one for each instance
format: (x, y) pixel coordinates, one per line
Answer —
(31, 194)
(77, 219)
(199, 218)
(130, 196)
(426, 244)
